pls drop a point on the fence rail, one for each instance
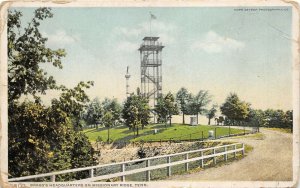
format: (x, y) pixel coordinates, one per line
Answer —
(214, 152)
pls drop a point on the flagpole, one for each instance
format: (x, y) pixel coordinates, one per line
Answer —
(150, 24)
(151, 17)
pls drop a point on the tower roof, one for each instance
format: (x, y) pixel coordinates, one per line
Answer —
(151, 38)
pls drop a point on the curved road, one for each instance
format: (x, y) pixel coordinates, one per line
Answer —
(270, 160)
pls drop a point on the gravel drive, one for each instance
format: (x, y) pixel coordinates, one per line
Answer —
(270, 160)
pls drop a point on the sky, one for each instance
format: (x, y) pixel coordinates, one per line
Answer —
(221, 50)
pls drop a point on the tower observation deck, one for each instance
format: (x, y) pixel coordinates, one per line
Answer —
(151, 69)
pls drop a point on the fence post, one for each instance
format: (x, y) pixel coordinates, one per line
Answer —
(202, 135)
(91, 171)
(225, 155)
(202, 162)
(243, 151)
(186, 164)
(234, 150)
(148, 171)
(52, 178)
(215, 133)
(123, 170)
(169, 167)
(214, 152)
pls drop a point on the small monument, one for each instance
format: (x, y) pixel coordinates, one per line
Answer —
(193, 120)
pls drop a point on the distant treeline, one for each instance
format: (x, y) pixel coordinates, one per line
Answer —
(271, 118)
(264, 118)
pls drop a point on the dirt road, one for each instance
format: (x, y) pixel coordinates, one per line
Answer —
(270, 160)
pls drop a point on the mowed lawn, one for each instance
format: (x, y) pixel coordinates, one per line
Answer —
(174, 132)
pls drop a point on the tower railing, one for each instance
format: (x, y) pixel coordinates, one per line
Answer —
(155, 44)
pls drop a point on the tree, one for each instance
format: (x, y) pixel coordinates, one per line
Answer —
(136, 112)
(270, 118)
(82, 155)
(199, 102)
(114, 107)
(94, 113)
(171, 106)
(41, 139)
(73, 102)
(112, 114)
(26, 52)
(211, 113)
(288, 120)
(276, 118)
(166, 108)
(108, 121)
(235, 109)
(183, 98)
(221, 120)
(161, 110)
(30, 151)
(136, 121)
(256, 118)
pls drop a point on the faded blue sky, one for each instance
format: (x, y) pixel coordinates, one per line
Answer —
(216, 49)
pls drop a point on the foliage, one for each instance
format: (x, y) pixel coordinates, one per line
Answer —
(271, 118)
(220, 120)
(166, 107)
(183, 98)
(288, 119)
(136, 112)
(26, 53)
(82, 155)
(141, 153)
(94, 112)
(274, 118)
(29, 146)
(161, 110)
(108, 121)
(73, 102)
(41, 139)
(112, 105)
(256, 118)
(199, 102)
(235, 109)
(211, 113)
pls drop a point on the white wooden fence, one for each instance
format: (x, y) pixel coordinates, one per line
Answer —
(212, 153)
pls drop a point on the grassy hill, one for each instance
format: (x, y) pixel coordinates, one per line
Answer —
(174, 132)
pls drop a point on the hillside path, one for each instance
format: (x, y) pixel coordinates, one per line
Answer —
(270, 160)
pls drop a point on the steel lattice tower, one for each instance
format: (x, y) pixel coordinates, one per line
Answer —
(151, 69)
